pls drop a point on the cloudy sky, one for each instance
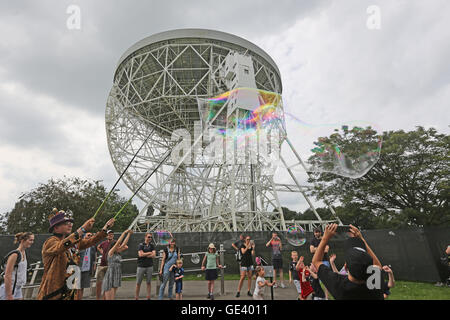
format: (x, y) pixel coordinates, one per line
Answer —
(335, 67)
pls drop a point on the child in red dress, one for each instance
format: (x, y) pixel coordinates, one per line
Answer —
(303, 274)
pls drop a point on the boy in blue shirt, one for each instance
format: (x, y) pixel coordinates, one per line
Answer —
(179, 274)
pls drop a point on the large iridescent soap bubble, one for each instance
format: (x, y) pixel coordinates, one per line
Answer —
(257, 109)
(348, 150)
(163, 237)
(350, 153)
(296, 236)
(352, 159)
(248, 122)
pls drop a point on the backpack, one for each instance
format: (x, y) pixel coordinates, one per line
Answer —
(16, 265)
(177, 250)
(238, 255)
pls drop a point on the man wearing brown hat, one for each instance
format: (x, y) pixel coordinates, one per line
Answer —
(60, 261)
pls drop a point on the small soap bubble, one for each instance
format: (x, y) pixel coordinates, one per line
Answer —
(195, 258)
(163, 237)
(295, 235)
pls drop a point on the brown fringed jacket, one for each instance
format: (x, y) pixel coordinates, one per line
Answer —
(56, 255)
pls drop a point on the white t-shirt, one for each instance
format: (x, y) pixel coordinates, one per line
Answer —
(21, 274)
(259, 291)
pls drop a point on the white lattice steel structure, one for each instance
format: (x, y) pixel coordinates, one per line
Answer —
(156, 88)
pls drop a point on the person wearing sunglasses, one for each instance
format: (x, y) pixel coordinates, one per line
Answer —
(146, 253)
(170, 255)
(248, 252)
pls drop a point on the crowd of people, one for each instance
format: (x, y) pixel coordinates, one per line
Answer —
(70, 263)
(321, 277)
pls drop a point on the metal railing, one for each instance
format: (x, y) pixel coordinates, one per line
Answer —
(28, 289)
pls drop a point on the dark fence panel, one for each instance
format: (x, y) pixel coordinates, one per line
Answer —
(412, 253)
(438, 240)
(407, 251)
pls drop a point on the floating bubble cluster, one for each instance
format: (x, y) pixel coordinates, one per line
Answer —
(349, 157)
(351, 152)
(195, 258)
(348, 150)
(163, 237)
(296, 236)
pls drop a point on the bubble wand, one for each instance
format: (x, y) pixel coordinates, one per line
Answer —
(129, 164)
(145, 181)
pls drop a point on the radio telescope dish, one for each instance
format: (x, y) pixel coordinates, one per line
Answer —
(158, 87)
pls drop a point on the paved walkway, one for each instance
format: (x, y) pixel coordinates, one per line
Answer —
(197, 290)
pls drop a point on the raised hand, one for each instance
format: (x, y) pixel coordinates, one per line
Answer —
(332, 257)
(109, 224)
(330, 231)
(355, 232)
(88, 224)
(387, 269)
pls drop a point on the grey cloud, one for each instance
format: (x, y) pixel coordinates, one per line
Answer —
(26, 128)
(23, 125)
(77, 66)
(386, 76)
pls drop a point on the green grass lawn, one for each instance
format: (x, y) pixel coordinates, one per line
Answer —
(403, 290)
(407, 290)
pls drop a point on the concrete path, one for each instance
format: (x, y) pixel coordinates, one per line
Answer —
(198, 290)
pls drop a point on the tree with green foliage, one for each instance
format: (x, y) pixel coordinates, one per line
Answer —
(288, 214)
(308, 214)
(81, 197)
(408, 186)
(3, 222)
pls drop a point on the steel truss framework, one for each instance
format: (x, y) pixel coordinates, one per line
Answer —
(156, 88)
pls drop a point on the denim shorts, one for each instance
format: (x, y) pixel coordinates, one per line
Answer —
(179, 286)
(246, 269)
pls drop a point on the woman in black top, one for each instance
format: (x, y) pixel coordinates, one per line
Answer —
(248, 252)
